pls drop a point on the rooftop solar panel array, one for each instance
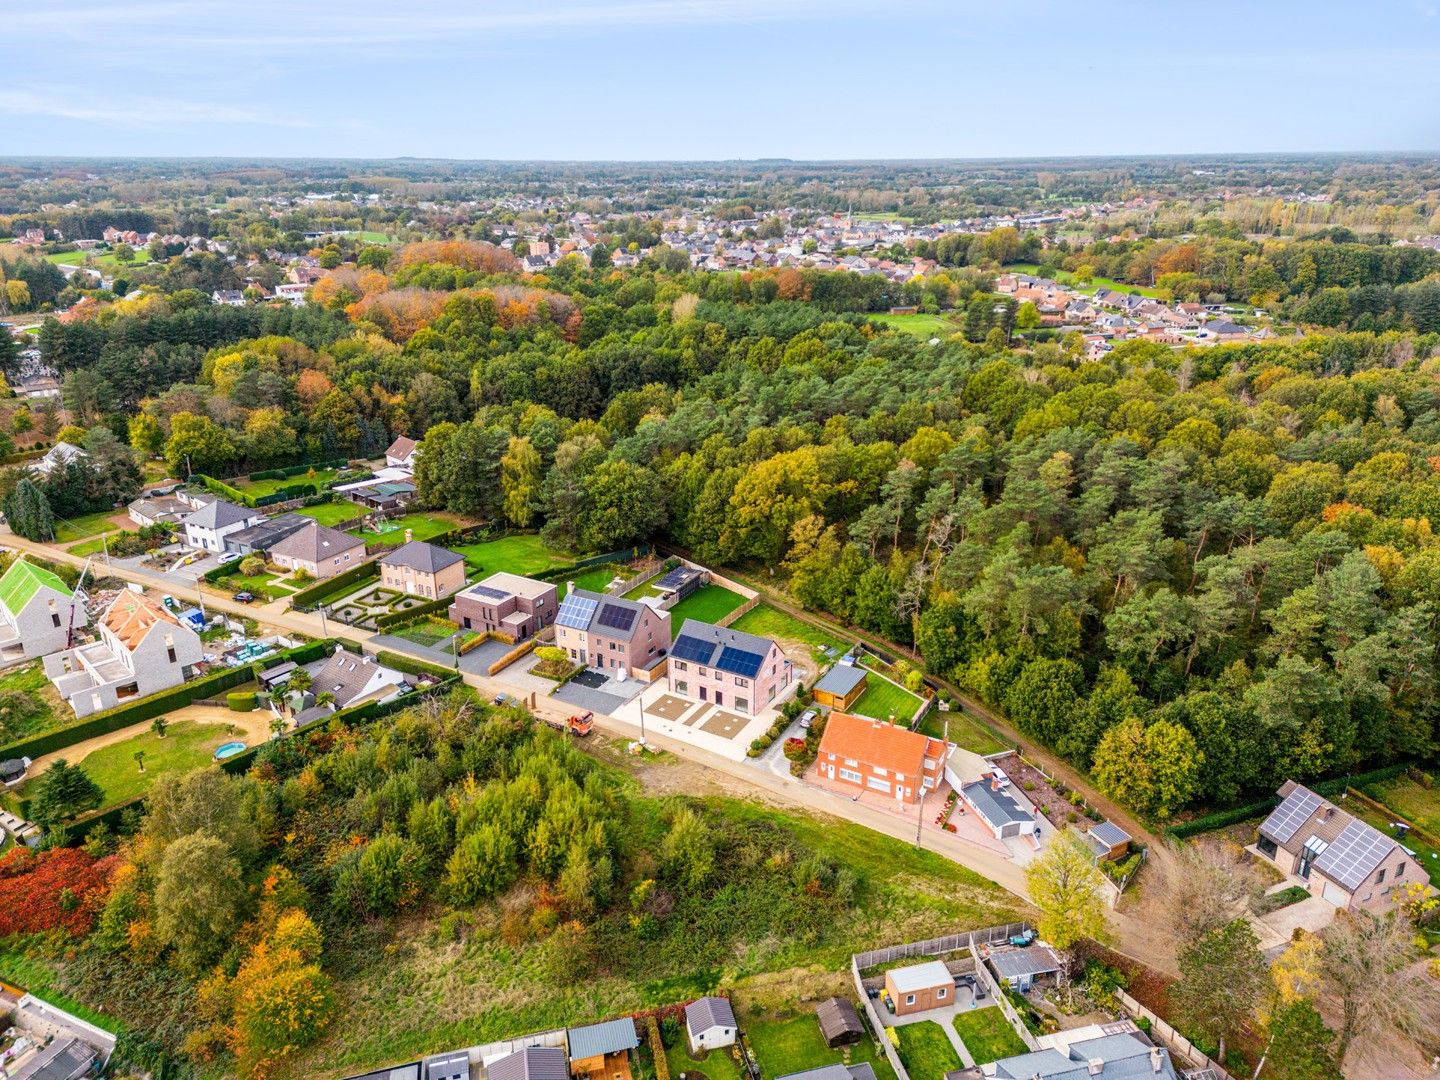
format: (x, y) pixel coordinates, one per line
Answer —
(1355, 853)
(488, 592)
(692, 649)
(740, 662)
(617, 617)
(1285, 820)
(576, 612)
(673, 578)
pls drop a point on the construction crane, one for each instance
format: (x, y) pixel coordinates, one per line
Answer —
(79, 594)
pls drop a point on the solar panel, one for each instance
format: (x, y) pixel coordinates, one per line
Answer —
(1285, 820)
(673, 578)
(740, 662)
(1354, 854)
(617, 617)
(692, 649)
(487, 591)
(575, 612)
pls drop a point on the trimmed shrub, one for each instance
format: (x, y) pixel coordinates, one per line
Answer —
(308, 598)
(393, 619)
(241, 702)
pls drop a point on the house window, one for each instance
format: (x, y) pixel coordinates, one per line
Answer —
(940, 993)
(851, 775)
(909, 999)
(170, 647)
(772, 694)
(742, 704)
(703, 673)
(681, 687)
(55, 617)
(1266, 846)
(1400, 870)
(881, 772)
(877, 784)
(1380, 877)
(679, 665)
(741, 682)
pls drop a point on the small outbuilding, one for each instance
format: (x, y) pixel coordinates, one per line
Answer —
(1107, 840)
(840, 687)
(919, 987)
(710, 1022)
(1019, 968)
(839, 1022)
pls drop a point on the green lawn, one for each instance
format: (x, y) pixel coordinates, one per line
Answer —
(919, 324)
(1417, 805)
(68, 530)
(964, 730)
(709, 603)
(523, 554)
(1425, 854)
(421, 526)
(109, 262)
(987, 1035)
(186, 745)
(30, 681)
(331, 513)
(1064, 277)
(716, 1065)
(353, 587)
(260, 488)
(264, 584)
(796, 1045)
(87, 548)
(882, 697)
(770, 622)
(67, 258)
(596, 578)
(926, 1052)
(430, 631)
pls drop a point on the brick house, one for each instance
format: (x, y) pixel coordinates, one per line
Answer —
(733, 669)
(422, 569)
(319, 550)
(1339, 858)
(611, 633)
(870, 755)
(516, 606)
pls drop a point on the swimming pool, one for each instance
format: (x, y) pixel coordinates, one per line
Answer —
(229, 750)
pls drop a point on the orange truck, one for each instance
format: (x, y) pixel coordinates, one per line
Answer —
(580, 724)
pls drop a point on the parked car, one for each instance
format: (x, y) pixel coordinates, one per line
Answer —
(807, 718)
(171, 604)
(244, 596)
(228, 557)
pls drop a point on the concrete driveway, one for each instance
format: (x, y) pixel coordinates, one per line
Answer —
(1276, 929)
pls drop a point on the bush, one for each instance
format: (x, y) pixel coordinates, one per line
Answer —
(252, 565)
(241, 702)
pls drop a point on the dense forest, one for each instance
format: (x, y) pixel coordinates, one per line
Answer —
(1219, 562)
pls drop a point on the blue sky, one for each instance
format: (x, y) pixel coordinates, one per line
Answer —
(703, 79)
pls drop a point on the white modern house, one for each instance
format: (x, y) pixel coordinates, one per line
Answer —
(208, 526)
(38, 612)
(142, 650)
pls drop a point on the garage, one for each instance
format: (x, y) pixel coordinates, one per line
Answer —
(1336, 895)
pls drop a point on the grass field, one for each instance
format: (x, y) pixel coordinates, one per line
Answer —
(86, 548)
(331, 513)
(1417, 805)
(791, 1045)
(431, 631)
(265, 584)
(68, 530)
(770, 622)
(595, 579)
(882, 697)
(519, 554)
(926, 1051)
(919, 324)
(716, 1065)
(421, 526)
(709, 603)
(353, 587)
(964, 730)
(987, 1035)
(260, 488)
(30, 680)
(187, 745)
(1425, 854)
(32, 974)
(67, 258)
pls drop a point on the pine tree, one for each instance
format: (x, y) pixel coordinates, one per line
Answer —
(28, 512)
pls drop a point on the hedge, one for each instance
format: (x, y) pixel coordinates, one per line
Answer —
(1235, 815)
(244, 701)
(123, 716)
(216, 573)
(412, 666)
(307, 599)
(296, 470)
(559, 573)
(414, 614)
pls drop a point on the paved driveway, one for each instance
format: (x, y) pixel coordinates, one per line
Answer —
(1276, 929)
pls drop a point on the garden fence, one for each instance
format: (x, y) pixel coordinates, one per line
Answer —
(936, 946)
(1167, 1036)
(877, 1027)
(620, 588)
(739, 613)
(998, 993)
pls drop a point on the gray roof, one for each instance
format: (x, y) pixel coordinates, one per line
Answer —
(219, 513)
(531, 1063)
(996, 807)
(1353, 855)
(608, 1038)
(316, 543)
(1109, 833)
(720, 647)
(1019, 963)
(410, 1071)
(837, 1016)
(418, 555)
(344, 674)
(266, 534)
(1125, 1057)
(906, 980)
(841, 679)
(862, 1071)
(600, 623)
(447, 1066)
(1294, 810)
(63, 1059)
(709, 1012)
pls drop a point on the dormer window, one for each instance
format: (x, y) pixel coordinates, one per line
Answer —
(170, 647)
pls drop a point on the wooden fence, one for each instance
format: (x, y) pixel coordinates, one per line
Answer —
(876, 1025)
(739, 613)
(998, 991)
(1166, 1035)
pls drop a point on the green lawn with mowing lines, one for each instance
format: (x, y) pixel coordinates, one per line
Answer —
(709, 603)
(882, 697)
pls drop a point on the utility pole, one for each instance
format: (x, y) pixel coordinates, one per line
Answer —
(920, 823)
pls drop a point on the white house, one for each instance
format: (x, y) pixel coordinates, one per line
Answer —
(38, 612)
(710, 1022)
(62, 453)
(142, 650)
(292, 292)
(208, 527)
(401, 454)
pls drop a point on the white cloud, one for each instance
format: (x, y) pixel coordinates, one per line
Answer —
(139, 112)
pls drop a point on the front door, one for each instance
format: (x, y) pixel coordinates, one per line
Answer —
(719, 698)
(704, 694)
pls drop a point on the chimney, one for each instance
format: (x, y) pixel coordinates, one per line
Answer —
(1096, 1066)
(409, 535)
(569, 587)
(1157, 1059)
